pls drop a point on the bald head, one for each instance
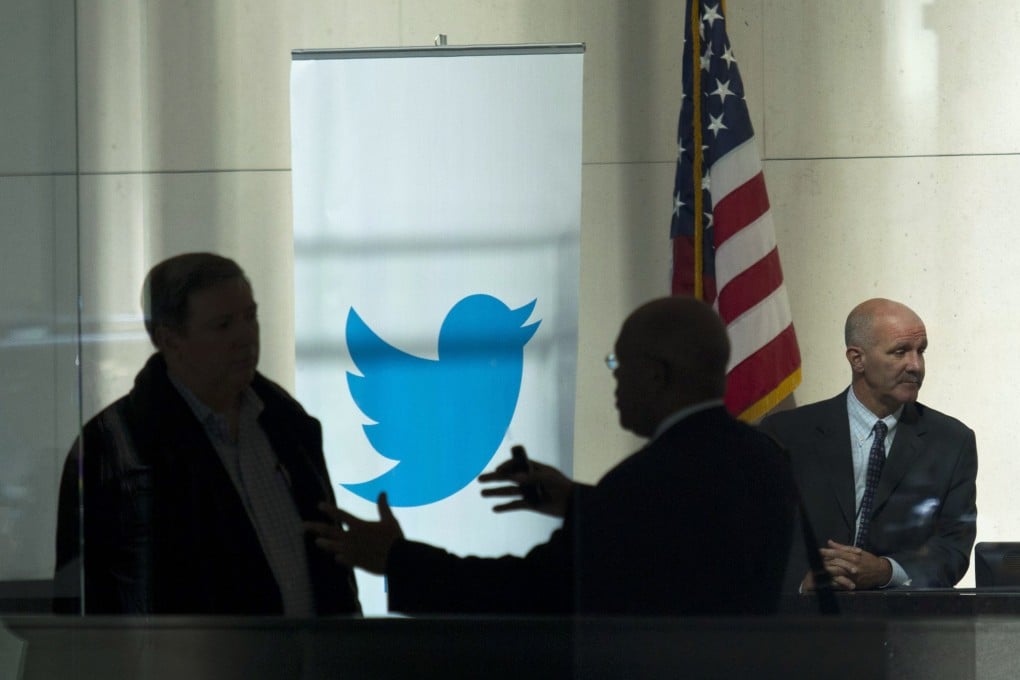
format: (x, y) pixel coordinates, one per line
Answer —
(861, 323)
(689, 336)
(885, 346)
(672, 352)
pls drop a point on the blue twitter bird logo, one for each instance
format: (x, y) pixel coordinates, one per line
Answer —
(440, 419)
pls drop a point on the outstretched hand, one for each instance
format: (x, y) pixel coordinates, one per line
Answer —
(357, 542)
(540, 487)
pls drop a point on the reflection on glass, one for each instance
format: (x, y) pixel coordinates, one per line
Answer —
(38, 273)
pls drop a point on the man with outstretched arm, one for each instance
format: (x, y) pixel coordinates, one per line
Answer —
(697, 522)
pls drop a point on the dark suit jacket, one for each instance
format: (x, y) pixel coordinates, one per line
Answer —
(697, 522)
(165, 531)
(924, 515)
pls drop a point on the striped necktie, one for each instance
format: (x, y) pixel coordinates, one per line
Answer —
(876, 459)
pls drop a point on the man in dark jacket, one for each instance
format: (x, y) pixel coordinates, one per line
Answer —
(698, 522)
(888, 483)
(191, 490)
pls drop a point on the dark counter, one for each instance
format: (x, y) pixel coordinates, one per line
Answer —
(849, 646)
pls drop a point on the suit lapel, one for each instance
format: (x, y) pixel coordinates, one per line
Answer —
(835, 458)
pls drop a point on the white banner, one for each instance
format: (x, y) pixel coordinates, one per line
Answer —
(436, 227)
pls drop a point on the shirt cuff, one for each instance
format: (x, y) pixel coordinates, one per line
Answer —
(899, 576)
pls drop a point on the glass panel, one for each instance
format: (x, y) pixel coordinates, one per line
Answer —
(39, 412)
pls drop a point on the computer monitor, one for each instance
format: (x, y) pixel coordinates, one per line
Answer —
(997, 565)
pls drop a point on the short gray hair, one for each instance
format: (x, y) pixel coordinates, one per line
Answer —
(858, 329)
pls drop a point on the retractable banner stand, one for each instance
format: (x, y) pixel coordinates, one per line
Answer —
(437, 197)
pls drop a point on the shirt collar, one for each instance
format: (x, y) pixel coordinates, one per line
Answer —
(250, 402)
(861, 417)
(675, 417)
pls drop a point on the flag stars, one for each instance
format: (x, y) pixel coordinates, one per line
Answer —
(711, 15)
(715, 124)
(722, 90)
(728, 57)
(706, 183)
(677, 204)
(706, 58)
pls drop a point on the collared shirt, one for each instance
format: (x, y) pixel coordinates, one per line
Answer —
(263, 484)
(862, 424)
(675, 417)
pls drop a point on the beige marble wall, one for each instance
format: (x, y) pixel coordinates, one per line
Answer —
(891, 139)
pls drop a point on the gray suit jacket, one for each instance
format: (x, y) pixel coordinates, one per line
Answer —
(925, 513)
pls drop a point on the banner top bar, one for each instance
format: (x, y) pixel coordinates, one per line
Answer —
(436, 51)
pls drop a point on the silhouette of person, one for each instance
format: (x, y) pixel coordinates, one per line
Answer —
(195, 484)
(696, 522)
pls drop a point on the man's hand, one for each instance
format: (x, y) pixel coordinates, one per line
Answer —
(852, 568)
(552, 488)
(357, 542)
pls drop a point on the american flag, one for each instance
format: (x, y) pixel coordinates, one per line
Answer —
(724, 243)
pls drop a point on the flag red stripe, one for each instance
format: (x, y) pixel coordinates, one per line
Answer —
(751, 286)
(746, 285)
(759, 374)
(739, 208)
